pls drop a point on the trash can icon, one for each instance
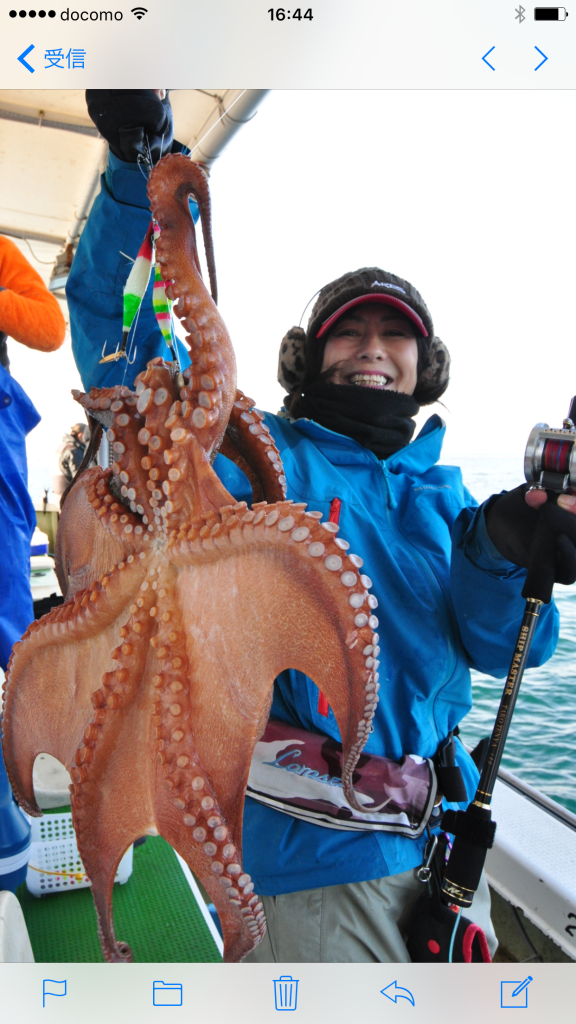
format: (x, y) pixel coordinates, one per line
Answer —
(286, 993)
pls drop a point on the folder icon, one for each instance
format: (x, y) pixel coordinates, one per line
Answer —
(166, 993)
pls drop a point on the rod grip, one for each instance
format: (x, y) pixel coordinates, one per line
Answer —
(541, 574)
(474, 834)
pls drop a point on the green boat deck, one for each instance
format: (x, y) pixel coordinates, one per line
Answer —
(155, 912)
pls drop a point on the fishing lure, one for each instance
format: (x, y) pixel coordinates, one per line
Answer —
(134, 292)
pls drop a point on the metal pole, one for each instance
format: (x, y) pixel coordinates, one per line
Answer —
(104, 452)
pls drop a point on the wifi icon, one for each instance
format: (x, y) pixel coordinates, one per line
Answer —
(139, 12)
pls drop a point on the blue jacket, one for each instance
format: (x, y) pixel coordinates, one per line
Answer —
(17, 516)
(447, 602)
(111, 239)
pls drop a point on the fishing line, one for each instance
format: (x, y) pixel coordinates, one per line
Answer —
(227, 111)
(174, 347)
(130, 344)
(307, 304)
(454, 930)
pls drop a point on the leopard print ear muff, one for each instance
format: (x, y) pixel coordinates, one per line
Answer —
(292, 359)
(434, 376)
(432, 380)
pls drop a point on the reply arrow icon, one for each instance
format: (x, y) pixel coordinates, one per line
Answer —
(394, 992)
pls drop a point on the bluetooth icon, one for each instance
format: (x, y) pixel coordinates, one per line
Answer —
(520, 14)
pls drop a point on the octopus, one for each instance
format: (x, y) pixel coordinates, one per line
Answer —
(153, 681)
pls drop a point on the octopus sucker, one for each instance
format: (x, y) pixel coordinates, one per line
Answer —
(153, 682)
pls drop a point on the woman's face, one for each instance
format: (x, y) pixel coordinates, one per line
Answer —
(373, 346)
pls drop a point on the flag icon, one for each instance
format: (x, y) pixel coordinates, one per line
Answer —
(50, 987)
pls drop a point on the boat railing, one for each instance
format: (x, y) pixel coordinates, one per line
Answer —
(538, 798)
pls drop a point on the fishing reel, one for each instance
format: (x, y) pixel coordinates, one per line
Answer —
(550, 457)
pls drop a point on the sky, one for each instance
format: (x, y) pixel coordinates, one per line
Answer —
(466, 194)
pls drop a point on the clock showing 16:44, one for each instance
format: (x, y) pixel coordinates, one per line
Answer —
(281, 14)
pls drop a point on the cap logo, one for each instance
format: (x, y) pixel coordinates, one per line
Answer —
(385, 284)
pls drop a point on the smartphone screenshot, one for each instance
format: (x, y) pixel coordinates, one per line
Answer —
(288, 504)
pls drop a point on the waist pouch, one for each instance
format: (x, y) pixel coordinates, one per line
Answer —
(299, 773)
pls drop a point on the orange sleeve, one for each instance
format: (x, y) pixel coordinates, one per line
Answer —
(29, 313)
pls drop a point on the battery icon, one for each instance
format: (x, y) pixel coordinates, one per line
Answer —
(550, 14)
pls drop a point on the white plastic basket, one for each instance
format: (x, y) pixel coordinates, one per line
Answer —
(55, 864)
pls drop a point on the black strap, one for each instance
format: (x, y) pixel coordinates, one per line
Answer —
(450, 778)
(475, 830)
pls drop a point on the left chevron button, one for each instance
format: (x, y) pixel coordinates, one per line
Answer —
(487, 54)
(22, 59)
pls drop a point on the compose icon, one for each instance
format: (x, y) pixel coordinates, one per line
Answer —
(286, 993)
(166, 993)
(514, 994)
(50, 987)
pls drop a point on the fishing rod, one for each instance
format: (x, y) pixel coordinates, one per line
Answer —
(549, 465)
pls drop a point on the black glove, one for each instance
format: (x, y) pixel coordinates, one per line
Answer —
(541, 540)
(136, 123)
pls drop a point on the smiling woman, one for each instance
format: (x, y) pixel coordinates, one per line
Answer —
(372, 346)
(367, 361)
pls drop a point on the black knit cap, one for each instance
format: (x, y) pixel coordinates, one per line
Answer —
(301, 352)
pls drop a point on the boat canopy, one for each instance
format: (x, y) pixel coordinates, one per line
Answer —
(51, 155)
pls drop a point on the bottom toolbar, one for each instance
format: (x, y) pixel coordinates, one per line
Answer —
(257, 992)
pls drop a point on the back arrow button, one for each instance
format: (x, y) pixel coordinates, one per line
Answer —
(487, 54)
(22, 59)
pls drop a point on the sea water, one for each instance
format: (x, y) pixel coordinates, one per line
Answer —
(540, 746)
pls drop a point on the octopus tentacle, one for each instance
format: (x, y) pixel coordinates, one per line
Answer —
(101, 752)
(206, 841)
(124, 424)
(92, 609)
(83, 550)
(180, 478)
(192, 485)
(202, 194)
(33, 671)
(211, 379)
(115, 516)
(239, 908)
(157, 393)
(230, 451)
(182, 481)
(98, 401)
(310, 552)
(249, 444)
(126, 465)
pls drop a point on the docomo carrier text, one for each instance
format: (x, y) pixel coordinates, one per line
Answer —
(69, 15)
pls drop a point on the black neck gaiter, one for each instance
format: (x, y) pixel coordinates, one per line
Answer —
(378, 420)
